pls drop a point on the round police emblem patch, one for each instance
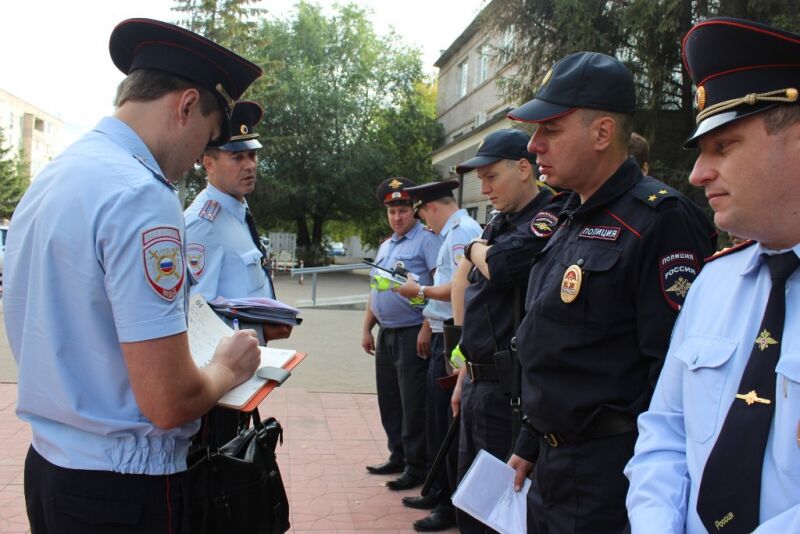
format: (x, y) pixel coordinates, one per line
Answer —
(677, 273)
(544, 224)
(458, 253)
(163, 260)
(196, 258)
(571, 284)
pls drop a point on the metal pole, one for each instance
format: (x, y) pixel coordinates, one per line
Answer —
(314, 289)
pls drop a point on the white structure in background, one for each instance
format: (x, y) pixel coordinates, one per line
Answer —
(30, 129)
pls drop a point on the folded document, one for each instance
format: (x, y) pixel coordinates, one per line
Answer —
(257, 310)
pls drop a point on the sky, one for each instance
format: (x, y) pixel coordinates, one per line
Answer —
(55, 52)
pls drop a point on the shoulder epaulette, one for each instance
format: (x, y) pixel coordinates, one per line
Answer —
(729, 250)
(652, 192)
(210, 210)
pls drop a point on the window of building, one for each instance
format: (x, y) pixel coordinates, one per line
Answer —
(483, 63)
(39, 125)
(473, 212)
(463, 78)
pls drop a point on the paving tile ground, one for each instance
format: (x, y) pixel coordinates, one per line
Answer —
(328, 439)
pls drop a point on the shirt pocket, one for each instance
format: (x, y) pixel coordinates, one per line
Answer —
(704, 382)
(252, 264)
(786, 447)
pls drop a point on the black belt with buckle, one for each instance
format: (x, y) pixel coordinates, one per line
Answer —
(482, 372)
(605, 425)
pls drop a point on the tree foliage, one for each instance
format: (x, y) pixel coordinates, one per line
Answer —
(14, 179)
(646, 35)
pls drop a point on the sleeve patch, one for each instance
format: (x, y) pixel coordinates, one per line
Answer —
(196, 258)
(544, 223)
(677, 271)
(163, 260)
(458, 253)
(210, 210)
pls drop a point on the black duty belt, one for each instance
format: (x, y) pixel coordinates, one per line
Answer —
(482, 372)
(605, 425)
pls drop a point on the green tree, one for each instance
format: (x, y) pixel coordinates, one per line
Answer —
(346, 111)
(14, 179)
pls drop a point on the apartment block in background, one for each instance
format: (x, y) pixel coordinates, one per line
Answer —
(30, 129)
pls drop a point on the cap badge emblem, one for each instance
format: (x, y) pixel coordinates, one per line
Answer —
(243, 129)
(396, 195)
(547, 77)
(700, 98)
(571, 284)
(395, 184)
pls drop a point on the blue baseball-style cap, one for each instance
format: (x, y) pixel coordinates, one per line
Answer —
(582, 80)
(503, 144)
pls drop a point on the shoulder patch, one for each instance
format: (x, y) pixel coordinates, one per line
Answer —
(544, 224)
(210, 210)
(163, 260)
(196, 258)
(677, 271)
(652, 192)
(730, 250)
(458, 252)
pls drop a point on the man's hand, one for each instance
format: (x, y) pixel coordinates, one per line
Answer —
(276, 331)
(368, 342)
(409, 290)
(240, 354)
(424, 340)
(522, 468)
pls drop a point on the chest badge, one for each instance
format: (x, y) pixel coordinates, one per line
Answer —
(571, 284)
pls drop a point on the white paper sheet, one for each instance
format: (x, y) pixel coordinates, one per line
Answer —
(487, 493)
(205, 329)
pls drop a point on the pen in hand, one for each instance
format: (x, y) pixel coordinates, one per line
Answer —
(236, 325)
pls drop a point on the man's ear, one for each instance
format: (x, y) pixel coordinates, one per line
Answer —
(188, 102)
(603, 129)
(208, 162)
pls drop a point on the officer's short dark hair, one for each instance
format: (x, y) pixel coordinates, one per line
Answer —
(146, 85)
(624, 122)
(781, 117)
(211, 152)
(639, 148)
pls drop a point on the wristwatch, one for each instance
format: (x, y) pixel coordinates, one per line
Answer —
(468, 250)
(421, 292)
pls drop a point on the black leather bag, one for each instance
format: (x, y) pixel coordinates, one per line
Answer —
(237, 488)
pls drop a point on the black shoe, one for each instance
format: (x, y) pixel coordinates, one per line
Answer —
(387, 468)
(419, 502)
(441, 518)
(405, 481)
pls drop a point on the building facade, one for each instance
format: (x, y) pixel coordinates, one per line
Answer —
(470, 105)
(30, 130)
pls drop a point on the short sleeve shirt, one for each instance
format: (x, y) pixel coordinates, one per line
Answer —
(94, 259)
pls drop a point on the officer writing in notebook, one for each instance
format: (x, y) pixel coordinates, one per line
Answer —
(602, 297)
(95, 292)
(718, 450)
(225, 256)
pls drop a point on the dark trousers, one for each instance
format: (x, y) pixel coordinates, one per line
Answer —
(439, 415)
(401, 376)
(485, 424)
(580, 487)
(74, 501)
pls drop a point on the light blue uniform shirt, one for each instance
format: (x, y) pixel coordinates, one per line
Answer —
(710, 346)
(416, 251)
(95, 259)
(457, 232)
(222, 258)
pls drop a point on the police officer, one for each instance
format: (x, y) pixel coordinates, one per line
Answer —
(224, 254)
(435, 204)
(495, 272)
(602, 297)
(95, 295)
(718, 449)
(401, 363)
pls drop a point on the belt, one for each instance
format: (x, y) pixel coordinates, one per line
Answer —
(482, 372)
(605, 425)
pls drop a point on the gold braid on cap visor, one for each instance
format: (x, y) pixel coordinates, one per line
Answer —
(781, 95)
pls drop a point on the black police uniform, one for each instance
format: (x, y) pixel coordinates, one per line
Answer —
(486, 421)
(603, 296)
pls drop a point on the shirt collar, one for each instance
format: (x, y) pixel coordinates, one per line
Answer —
(453, 221)
(531, 208)
(753, 263)
(123, 135)
(228, 203)
(408, 235)
(625, 177)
